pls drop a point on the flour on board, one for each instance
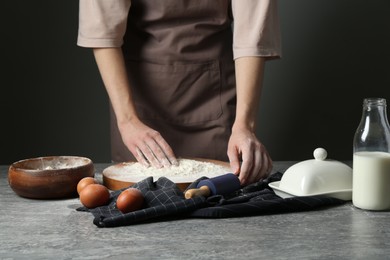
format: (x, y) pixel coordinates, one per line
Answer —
(187, 169)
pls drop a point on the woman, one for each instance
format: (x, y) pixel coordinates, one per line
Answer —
(181, 82)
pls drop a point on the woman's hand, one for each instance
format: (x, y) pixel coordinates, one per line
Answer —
(256, 162)
(147, 145)
(243, 144)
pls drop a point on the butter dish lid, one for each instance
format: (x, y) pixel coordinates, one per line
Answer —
(315, 177)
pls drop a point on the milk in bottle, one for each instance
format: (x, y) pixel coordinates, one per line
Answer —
(371, 158)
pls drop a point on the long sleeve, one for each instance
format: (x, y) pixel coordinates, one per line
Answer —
(102, 23)
(256, 28)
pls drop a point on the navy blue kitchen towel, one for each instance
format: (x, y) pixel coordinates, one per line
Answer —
(161, 199)
(164, 200)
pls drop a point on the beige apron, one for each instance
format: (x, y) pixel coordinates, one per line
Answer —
(180, 65)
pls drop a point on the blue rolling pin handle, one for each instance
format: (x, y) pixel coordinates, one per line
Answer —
(221, 185)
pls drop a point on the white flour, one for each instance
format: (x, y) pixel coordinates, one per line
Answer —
(59, 163)
(187, 170)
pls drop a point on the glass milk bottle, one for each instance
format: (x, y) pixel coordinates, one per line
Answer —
(371, 158)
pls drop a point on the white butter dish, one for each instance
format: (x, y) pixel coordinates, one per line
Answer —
(316, 177)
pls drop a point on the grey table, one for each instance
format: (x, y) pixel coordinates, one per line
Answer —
(53, 229)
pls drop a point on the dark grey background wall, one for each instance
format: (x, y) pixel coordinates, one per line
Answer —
(335, 53)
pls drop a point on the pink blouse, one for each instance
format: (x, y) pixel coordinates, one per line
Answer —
(256, 32)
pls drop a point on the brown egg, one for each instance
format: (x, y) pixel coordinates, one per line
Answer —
(84, 182)
(94, 195)
(129, 200)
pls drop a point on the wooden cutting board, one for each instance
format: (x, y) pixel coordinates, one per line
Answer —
(114, 182)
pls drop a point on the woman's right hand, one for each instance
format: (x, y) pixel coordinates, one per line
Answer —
(147, 145)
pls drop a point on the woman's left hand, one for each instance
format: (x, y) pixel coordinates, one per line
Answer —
(256, 162)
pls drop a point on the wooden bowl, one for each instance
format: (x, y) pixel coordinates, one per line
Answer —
(53, 177)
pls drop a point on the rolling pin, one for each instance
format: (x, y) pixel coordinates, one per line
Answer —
(220, 185)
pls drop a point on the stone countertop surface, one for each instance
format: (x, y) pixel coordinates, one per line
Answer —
(53, 229)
